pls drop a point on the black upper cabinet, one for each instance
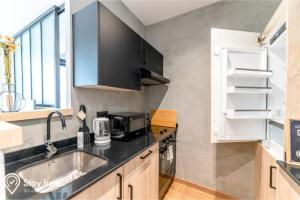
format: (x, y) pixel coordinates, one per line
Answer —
(85, 46)
(120, 50)
(106, 51)
(151, 58)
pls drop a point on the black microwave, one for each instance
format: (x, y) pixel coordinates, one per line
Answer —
(128, 125)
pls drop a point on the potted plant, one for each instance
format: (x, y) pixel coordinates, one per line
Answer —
(9, 100)
(8, 47)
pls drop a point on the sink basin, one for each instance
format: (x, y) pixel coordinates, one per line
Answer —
(49, 175)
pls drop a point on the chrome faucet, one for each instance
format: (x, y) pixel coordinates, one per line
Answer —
(51, 149)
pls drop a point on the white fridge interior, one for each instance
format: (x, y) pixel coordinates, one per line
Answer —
(247, 86)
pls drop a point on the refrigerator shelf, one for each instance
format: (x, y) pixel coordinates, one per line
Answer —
(248, 114)
(249, 73)
(248, 90)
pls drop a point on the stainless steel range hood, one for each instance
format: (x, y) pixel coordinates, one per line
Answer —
(148, 78)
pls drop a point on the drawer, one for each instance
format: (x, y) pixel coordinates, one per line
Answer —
(137, 161)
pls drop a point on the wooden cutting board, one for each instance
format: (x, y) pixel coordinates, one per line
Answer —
(161, 117)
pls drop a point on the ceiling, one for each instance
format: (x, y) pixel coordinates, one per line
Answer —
(16, 14)
(153, 11)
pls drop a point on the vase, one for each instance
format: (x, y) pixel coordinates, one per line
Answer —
(10, 101)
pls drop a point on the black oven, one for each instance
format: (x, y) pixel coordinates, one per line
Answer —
(167, 163)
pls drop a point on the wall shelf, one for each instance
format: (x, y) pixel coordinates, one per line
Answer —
(249, 73)
(248, 114)
(248, 90)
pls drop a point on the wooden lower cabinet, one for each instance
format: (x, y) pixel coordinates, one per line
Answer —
(142, 173)
(287, 189)
(265, 177)
(143, 183)
(105, 189)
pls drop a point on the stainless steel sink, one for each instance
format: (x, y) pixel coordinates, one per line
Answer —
(52, 174)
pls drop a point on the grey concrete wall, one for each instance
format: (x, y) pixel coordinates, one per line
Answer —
(185, 43)
(34, 131)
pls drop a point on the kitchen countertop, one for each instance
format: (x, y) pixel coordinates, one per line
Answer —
(292, 170)
(117, 154)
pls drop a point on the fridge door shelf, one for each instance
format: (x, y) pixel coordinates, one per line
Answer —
(248, 90)
(248, 114)
(249, 73)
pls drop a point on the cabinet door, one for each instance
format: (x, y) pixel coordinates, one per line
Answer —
(108, 188)
(286, 187)
(85, 47)
(151, 58)
(267, 178)
(143, 183)
(239, 89)
(120, 52)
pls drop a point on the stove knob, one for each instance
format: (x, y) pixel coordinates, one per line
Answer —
(165, 130)
(161, 132)
(161, 149)
(172, 139)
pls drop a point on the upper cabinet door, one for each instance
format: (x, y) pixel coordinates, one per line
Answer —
(151, 58)
(85, 48)
(107, 53)
(120, 50)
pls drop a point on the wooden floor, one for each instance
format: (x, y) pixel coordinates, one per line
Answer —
(179, 191)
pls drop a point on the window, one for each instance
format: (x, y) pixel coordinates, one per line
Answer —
(39, 61)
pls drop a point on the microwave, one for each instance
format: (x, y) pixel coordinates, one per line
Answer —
(128, 125)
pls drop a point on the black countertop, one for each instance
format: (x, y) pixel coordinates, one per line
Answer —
(292, 170)
(117, 154)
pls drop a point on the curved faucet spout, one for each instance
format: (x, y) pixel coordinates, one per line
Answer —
(51, 150)
(62, 119)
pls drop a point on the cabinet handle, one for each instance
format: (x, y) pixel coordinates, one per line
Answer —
(145, 156)
(271, 177)
(121, 186)
(131, 191)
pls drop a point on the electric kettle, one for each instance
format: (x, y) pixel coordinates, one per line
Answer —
(101, 128)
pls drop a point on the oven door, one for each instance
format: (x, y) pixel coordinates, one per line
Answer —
(167, 167)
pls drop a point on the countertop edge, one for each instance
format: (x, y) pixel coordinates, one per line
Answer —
(284, 168)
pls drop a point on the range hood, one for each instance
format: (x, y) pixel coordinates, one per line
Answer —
(148, 78)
